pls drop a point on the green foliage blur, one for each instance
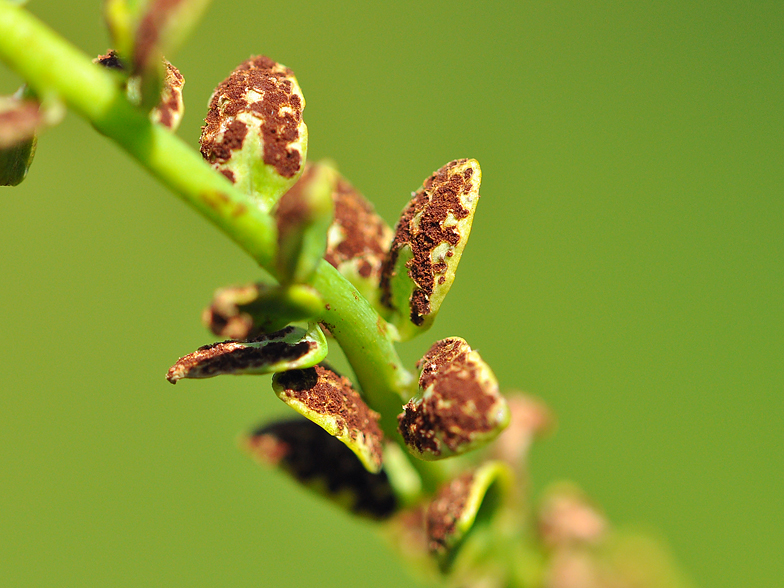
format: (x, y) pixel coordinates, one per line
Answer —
(625, 265)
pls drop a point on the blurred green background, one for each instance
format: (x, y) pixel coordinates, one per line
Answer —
(625, 266)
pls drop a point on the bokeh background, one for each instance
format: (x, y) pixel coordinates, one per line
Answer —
(625, 266)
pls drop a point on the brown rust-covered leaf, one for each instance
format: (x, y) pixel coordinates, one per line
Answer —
(318, 460)
(429, 240)
(358, 240)
(330, 401)
(459, 407)
(254, 133)
(289, 348)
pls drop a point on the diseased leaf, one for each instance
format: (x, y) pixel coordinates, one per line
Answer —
(254, 133)
(455, 509)
(429, 240)
(323, 463)
(289, 348)
(358, 240)
(330, 401)
(459, 407)
(170, 107)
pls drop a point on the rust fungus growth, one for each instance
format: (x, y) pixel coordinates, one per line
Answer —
(263, 93)
(170, 109)
(111, 60)
(445, 511)
(315, 458)
(329, 400)
(358, 236)
(460, 404)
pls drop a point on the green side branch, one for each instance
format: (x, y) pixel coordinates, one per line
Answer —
(52, 66)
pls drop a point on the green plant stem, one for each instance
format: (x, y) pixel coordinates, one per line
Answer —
(363, 336)
(51, 65)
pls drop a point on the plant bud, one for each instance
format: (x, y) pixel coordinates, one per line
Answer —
(303, 216)
(320, 461)
(459, 407)
(289, 348)
(254, 133)
(331, 402)
(453, 511)
(245, 312)
(429, 240)
(19, 120)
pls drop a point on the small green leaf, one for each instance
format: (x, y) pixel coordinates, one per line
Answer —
(245, 312)
(303, 216)
(330, 401)
(254, 132)
(321, 462)
(458, 408)
(429, 239)
(460, 505)
(287, 349)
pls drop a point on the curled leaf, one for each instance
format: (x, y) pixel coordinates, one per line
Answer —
(358, 240)
(429, 240)
(458, 408)
(254, 133)
(320, 461)
(245, 312)
(303, 215)
(455, 508)
(289, 348)
(330, 401)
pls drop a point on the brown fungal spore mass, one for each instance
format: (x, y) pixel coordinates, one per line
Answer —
(264, 91)
(364, 236)
(458, 404)
(445, 510)
(314, 457)
(422, 228)
(229, 357)
(170, 108)
(325, 393)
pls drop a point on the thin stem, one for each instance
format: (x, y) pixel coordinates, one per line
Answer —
(363, 337)
(50, 64)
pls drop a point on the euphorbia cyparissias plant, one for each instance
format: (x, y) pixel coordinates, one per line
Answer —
(412, 450)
